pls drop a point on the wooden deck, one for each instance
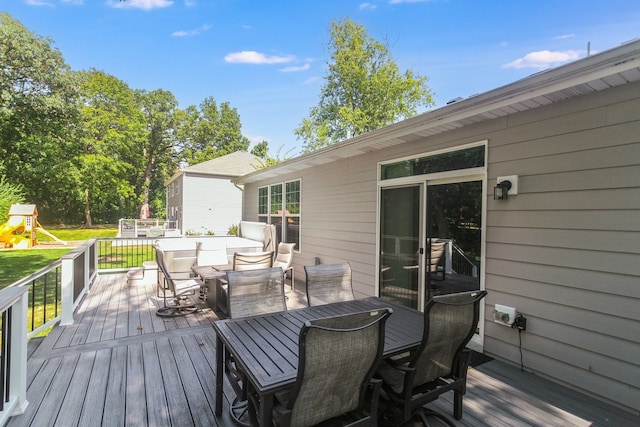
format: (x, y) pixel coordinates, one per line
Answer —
(120, 364)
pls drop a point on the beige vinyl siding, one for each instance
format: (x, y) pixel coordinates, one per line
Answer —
(566, 251)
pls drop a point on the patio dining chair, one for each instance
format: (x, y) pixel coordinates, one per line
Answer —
(250, 293)
(438, 365)
(242, 261)
(337, 359)
(284, 258)
(434, 256)
(211, 252)
(182, 288)
(327, 283)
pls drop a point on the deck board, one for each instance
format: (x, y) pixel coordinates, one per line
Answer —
(120, 364)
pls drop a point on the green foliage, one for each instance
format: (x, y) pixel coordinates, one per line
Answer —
(364, 90)
(38, 117)
(158, 153)
(233, 230)
(211, 132)
(86, 148)
(9, 194)
(266, 160)
(113, 131)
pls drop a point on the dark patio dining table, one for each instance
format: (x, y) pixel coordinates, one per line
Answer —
(266, 347)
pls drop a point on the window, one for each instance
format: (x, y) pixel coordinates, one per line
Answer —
(449, 161)
(279, 204)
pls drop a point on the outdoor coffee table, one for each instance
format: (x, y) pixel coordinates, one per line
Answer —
(210, 275)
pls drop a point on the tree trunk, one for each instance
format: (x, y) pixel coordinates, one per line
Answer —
(87, 211)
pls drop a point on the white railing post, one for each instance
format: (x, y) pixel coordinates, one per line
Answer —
(19, 353)
(67, 291)
(15, 303)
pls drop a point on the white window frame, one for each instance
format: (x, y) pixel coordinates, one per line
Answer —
(283, 215)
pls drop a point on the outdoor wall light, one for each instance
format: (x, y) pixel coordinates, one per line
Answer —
(501, 190)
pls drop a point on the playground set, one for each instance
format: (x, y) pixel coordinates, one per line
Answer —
(22, 228)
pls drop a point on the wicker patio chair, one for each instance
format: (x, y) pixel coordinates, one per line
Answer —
(327, 283)
(181, 289)
(438, 365)
(250, 293)
(337, 359)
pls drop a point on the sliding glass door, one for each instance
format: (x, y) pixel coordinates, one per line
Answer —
(400, 231)
(453, 237)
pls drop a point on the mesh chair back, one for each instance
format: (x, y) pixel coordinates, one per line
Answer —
(255, 292)
(164, 273)
(337, 358)
(327, 283)
(284, 257)
(252, 260)
(450, 322)
(211, 253)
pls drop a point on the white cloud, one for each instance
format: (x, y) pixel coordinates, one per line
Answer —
(191, 33)
(253, 57)
(367, 6)
(311, 80)
(295, 69)
(543, 59)
(141, 4)
(407, 1)
(38, 3)
(564, 36)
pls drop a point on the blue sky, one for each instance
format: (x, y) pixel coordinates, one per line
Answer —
(267, 58)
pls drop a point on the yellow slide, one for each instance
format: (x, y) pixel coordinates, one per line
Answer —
(11, 231)
(46, 233)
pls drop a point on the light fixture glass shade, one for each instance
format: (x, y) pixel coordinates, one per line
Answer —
(501, 191)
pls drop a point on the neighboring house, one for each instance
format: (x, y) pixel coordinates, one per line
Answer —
(203, 200)
(563, 249)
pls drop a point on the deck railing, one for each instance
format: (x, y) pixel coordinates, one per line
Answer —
(13, 356)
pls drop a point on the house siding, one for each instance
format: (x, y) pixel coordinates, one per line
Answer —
(565, 251)
(214, 204)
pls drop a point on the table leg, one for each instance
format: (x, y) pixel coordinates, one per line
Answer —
(266, 409)
(219, 374)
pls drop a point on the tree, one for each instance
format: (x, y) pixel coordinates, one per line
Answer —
(159, 152)
(110, 158)
(364, 90)
(212, 132)
(9, 194)
(39, 118)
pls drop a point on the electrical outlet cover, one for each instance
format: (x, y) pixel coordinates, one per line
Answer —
(503, 310)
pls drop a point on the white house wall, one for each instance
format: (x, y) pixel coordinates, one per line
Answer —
(565, 251)
(211, 204)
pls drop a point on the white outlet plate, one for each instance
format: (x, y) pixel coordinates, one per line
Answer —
(514, 183)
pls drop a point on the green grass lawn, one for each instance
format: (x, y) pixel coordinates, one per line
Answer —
(69, 234)
(18, 263)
